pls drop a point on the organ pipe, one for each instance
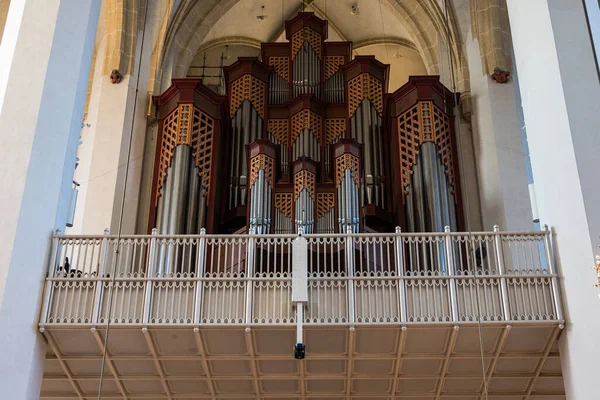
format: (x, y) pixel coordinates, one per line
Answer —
(335, 88)
(366, 127)
(306, 72)
(279, 89)
(348, 205)
(430, 203)
(306, 145)
(247, 126)
(260, 204)
(398, 164)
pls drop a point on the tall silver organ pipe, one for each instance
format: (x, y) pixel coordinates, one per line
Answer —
(306, 76)
(181, 205)
(246, 126)
(279, 89)
(430, 204)
(305, 211)
(348, 204)
(261, 195)
(306, 145)
(326, 223)
(335, 88)
(283, 223)
(283, 154)
(366, 128)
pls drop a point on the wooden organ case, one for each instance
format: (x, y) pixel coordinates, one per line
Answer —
(306, 139)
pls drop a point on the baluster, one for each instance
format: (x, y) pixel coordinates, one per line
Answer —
(400, 273)
(452, 273)
(50, 274)
(502, 273)
(251, 246)
(99, 282)
(554, 280)
(351, 282)
(150, 272)
(200, 268)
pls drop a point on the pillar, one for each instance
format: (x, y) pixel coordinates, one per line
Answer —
(105, 150)
(45, 60)
(503, 187)
(561, 97)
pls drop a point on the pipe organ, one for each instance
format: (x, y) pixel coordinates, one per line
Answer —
(306, 139)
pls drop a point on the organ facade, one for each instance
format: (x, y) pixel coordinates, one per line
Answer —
(306, 139)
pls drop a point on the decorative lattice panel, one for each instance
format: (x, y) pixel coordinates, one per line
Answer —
(281, 65)
(304, 180)
(261, 161)
(284, 203)
(247, 87)
(325, 202)
(443, 139)
(332, 65)
(365, 86)
(190, 126)
(410, 138)
(279, 129)
(306, 119)
(203, 130)
(309, 35)
(344, 162)
(422, 123)
(334, 129)
(184, 133)
(169, 141)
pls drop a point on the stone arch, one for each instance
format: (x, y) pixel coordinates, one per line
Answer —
(186, 25)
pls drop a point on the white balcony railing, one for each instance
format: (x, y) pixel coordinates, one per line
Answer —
(451, 278)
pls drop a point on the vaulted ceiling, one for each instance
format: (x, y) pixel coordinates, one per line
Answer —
(413, 36)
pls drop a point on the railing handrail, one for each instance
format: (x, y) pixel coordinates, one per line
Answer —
(308, 236)
(356, 277)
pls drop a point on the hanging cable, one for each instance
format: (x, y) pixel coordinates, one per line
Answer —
(122, 207)
(467, 206)
(387, 54)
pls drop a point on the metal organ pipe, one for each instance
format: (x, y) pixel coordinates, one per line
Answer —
(247, 126)
(366, 128)
(192, 211)
(305, 211)
(278, 89)
(306, 74)
(430, 203)
(334, 88)
(348, 206)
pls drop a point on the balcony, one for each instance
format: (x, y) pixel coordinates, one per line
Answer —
(428, 316)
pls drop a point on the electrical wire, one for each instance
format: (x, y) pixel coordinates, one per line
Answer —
(387, 54)
(467, 207)
(122, 207)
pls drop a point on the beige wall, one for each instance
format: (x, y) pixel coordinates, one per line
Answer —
(3, 13)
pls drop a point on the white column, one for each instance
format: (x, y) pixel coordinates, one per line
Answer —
(502, 177)
(105, 141)
(561, 104)
(45, 60)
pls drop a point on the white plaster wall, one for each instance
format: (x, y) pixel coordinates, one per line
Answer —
(113, 148)
(561, 102)
(40, 117)
(502, 176)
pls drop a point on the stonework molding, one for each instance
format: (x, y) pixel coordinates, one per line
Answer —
(491, 27)
(121, 25)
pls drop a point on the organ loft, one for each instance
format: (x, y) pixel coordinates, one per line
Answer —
(306, 139)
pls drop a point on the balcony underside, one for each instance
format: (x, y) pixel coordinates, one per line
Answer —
(433, 361)
(385, 316)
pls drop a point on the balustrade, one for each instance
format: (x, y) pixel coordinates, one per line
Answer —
(447, 278)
